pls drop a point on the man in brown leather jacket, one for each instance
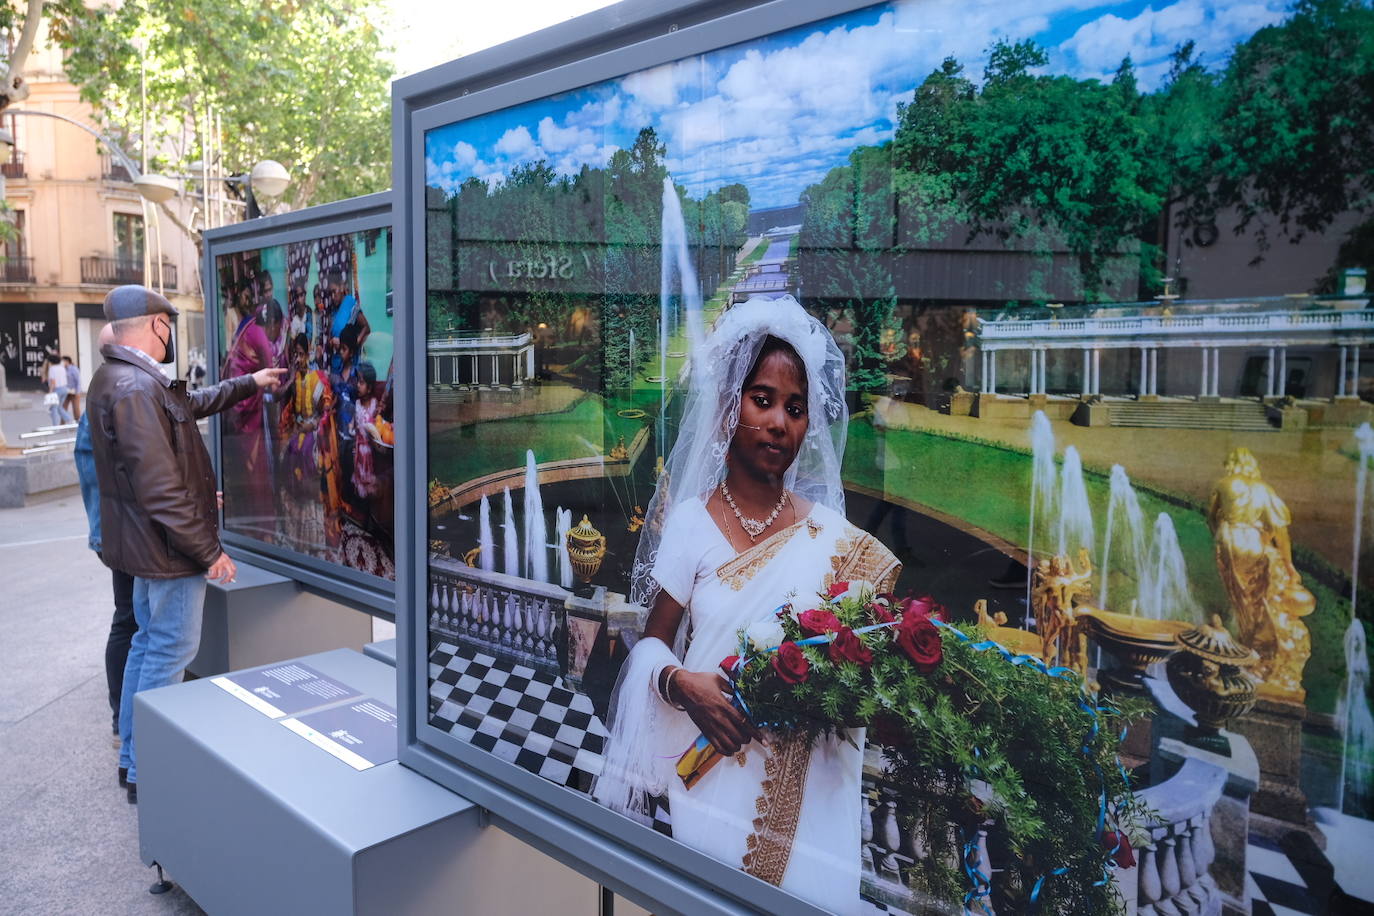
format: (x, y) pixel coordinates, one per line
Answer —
(158, 511)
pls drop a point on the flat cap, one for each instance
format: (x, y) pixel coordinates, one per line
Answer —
(135, 301)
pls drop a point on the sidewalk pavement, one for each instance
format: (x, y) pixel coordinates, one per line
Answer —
(16, 420)
(68, 838)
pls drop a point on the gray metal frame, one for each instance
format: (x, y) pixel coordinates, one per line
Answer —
(634, 861)
(358, 590)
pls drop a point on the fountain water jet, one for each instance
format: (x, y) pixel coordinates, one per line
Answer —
(536, 530)
(1357, 722)
(1357, 725)
(1044, 491)
(674, 254)
(563, 524)
(1075, 513)
(1163, 591)
(510, 547)
(1125, 531)
(486, 556)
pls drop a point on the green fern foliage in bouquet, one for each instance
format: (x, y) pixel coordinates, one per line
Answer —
(972, 736)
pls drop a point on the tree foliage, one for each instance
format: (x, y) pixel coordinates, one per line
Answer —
(303, 82)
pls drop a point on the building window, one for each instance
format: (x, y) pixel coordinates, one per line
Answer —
(15, 246)
(128, 236)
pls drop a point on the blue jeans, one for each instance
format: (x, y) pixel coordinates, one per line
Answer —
(168, 613)
(57, 413)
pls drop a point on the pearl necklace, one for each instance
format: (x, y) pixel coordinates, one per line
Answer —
(752, 526)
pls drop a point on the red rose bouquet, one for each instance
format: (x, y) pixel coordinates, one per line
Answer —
(969, 732)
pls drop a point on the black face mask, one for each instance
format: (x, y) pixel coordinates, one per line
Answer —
(169, 347)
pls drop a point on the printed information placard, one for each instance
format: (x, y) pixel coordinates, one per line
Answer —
(285, 689)
(361, 734)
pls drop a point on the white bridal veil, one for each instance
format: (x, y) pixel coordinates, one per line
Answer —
(645, 735)
(696, 465)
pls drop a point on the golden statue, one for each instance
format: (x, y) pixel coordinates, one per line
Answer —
(1057, 585)
(1255, 560)
(636, 520)
(619, 452)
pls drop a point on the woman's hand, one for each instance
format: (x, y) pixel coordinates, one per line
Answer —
(703, 695)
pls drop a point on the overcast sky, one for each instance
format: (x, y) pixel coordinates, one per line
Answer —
(426, 33)
(779, 112)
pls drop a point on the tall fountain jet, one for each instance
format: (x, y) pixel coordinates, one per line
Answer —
(1164, 592)
(674, 255)
(486, 556)
(564, 525)
(1357, 722)
(1124, 541)
(1044, 491)
(1075, 513)
(536, 530)
(510, 547)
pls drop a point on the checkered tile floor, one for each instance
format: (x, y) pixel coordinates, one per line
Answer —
(1277, 886)
(520, 715)
(534, 721)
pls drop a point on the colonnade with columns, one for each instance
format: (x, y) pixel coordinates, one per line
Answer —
(1209, 370)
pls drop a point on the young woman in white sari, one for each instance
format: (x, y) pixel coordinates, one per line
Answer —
(749, 515)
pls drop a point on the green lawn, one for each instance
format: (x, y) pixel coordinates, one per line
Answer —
(587, 428)
(988, 486)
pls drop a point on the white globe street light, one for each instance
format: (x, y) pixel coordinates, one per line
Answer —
(269, 178)
(155, 189)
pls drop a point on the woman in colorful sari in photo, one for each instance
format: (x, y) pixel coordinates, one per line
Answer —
(752, 516)
(305, 424)
(249, 483)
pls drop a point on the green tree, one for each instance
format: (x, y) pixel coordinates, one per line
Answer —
(1296, 124)
(1047, 159)
(304, 82)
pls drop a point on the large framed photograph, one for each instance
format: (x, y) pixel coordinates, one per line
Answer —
(869, 458)
(307, 472)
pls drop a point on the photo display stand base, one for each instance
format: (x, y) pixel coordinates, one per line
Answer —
(248, 817)
(263, 617)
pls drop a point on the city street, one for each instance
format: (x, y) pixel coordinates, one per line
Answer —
(71, 840)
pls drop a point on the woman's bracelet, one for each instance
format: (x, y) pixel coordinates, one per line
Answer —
(667, 687)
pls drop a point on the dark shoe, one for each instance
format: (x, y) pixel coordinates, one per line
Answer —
(123, 777)
(133, 793)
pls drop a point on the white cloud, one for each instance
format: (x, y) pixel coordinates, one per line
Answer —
(1151, 36)
(556, 139)
(516, 143)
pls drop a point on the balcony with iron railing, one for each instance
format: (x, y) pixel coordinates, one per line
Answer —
(16, 269)
(112, 169)
(14, 167)
(106, 271)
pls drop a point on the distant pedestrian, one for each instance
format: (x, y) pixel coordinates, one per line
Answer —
(157, 493)
(122, 625)
(56, 377)
(73, 400)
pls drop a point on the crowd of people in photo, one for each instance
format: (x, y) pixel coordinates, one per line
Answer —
(305, 462)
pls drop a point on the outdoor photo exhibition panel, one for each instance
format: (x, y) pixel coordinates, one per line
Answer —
(307, 471)
(880, 459)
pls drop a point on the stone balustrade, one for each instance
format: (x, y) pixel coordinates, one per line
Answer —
(890, 850)
(510, 617)
(1174, 866)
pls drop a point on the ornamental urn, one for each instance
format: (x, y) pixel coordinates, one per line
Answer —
(1211, 673)
(586, 549)
(1134, 642)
